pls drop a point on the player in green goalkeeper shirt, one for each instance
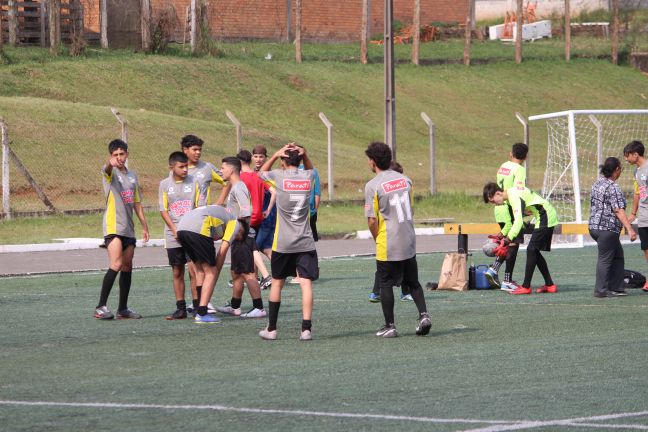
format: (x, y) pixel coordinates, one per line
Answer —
(521, 200)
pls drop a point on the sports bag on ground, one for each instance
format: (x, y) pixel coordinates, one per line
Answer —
(633, 279)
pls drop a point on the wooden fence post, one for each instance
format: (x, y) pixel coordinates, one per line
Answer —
(468, 34)
(145, 15)
(103, 21)
(12, 17)
(6, 189)
(43, 23)
(615, 32)
(518, 32)
(567, 30)
(416, 41)
(364, 34)
(55, 26)
(298, 25)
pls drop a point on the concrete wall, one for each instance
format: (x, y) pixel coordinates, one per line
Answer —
(488, 9)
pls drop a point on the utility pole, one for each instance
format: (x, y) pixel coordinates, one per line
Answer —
(390, 91)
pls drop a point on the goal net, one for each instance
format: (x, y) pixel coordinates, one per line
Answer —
(578, 142)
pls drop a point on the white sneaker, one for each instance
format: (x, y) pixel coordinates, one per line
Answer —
(210, 308)
(268, 335)
(306, 335)
(229, 310)
(294, 280)
(508, 286)
(254, 313)
(103, 313)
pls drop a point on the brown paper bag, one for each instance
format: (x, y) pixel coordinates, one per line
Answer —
(453, 273)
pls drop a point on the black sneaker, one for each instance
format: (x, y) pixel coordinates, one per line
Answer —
(178, 314)
(424, 325)
(265, 283)
(608, 294)
(128, 313)
(387, 331)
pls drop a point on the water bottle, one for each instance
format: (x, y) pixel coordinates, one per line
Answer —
(471, 276)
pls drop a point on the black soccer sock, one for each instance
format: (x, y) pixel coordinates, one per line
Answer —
(198, 293)
(201, 310)
(195, 303)
(106, 286)
(497, 264)
(511, 256)
(544, 270)
(235, 303)
(181, 304)
(257, 303)
(306, 325)
(124, 289)
(376, 288)
(387, 303)
(419, 298)
(273, 315)
(532, 259)
(405, 289)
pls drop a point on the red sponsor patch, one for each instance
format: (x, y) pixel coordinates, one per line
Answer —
(179, 208)
(128, 196)
(296, 185)
(394, 185)
(504, 171)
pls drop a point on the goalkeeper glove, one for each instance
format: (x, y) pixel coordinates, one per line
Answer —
(500, 251)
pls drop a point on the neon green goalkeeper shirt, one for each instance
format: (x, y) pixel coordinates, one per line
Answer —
(509, 174)
(521, 199)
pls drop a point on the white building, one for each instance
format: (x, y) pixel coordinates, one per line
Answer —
(488, 9)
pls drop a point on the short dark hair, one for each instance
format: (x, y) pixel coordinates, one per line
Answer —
(117, 144)
(177, 157)
(292, 158)
(260, 149)
(635, 146)
(244, 156)
(190, 141)
(609, 166)
(234, 162)
(395, 166)
(380, 153)
(489, 191)
(520, 151)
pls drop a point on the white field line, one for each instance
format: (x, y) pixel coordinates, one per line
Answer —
(574, 422)
(249, 410)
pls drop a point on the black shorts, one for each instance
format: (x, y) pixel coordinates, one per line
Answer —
(394, 273)
(199, 248)
(643, 237)
(541, 239)
(288, 264)
(125, 241)
(520, 237)
(177, 256)
(242, 256)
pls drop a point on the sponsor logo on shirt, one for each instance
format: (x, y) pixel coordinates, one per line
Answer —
(504, 171)
(394, 185)
(643, 193)
(128, 196)
(187, 189)
(181, 207)
(296, 185)
(171, 191)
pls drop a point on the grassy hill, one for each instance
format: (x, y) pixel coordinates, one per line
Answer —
(58, 109)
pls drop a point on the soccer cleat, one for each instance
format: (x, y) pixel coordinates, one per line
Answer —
(645, 287)
(267, 334)
(254, 313)
(551, 289)
(230, 283)
(520, 290)
(103, 313)
(374, 298)
(306, 335)
(190, 309)
(178, 314)
(265, 283)
(492, 278)
(387, 331)
(509, 286)
(210, 308)
(406, 297)
(128, 313)
(606, 294)
(206, 319)
(424, 325)
(294, 280)
(229, 310)
(621, 293)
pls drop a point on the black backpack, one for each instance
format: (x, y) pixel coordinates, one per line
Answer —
(633, 279)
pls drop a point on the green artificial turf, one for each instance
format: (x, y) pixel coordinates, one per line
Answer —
(489, 356)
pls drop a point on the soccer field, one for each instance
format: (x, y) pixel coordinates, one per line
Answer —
(492, 361)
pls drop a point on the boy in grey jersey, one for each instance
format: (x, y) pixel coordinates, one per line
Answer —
(122, 198)
(388, 199)
(178, 195)
(205, 174)
(634, 155)
(238, 204)
(293, 248)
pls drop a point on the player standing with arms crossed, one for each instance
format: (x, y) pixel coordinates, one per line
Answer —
(388, 208)
(122, 198)
(293, 248)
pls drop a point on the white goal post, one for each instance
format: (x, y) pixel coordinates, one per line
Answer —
(578, 141)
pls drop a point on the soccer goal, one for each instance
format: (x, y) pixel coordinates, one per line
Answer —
(578, 142)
